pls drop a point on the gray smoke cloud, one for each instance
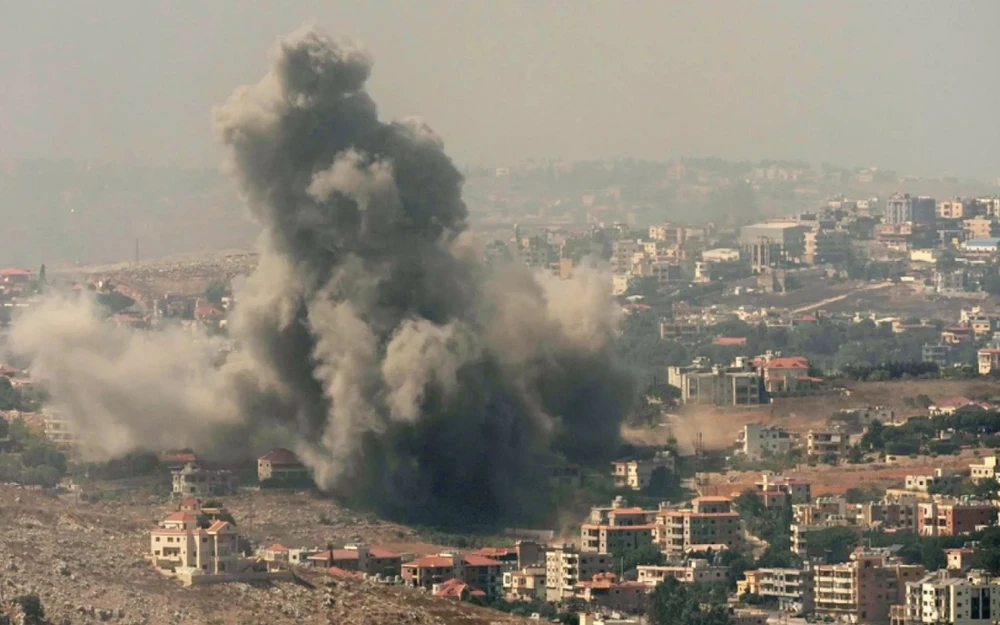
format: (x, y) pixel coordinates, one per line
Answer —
(408, 374)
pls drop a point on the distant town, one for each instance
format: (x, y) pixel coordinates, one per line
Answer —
(813, 437)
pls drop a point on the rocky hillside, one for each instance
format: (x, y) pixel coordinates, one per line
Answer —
(85, 562)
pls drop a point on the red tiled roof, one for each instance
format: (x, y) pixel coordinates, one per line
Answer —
(190, 501)
(208, 311)
(791, 362)
(953, 402)
(14, 271)
(437, 562)
(730, 340)
(455, 588)
(280, 456)
(496, 552)
(339, 572)
(182, 515)
(627, 511)
(218, 526)
(278, 547)
(352, 554)
(715, 498)
(169, 457)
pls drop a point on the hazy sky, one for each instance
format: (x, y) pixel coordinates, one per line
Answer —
(908, 84)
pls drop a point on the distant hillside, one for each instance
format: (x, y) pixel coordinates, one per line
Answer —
(60, 212)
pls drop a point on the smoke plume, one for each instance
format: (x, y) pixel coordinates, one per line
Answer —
(406, 373)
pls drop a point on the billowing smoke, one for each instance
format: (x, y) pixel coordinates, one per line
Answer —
(406, 373)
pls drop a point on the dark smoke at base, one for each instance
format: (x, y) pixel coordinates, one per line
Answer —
(408, 375)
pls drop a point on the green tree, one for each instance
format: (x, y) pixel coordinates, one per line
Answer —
(672, 603)
(215, 291)
(991, 284)
(855, 455)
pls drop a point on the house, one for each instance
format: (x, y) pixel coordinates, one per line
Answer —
(760, 440)
(196, 481)
(784, 374)
(15, 275)
(181, 548)
(527, 584)
(605, 591)
(730, 341)
(208, 313)
(985, 470)
(988, 360)
(456, 589)
(924, 483)
(694, 571)
(950, 405)
(483, 573)
(959, 559)
(281, 465)
(792, 588)
(799, 490)
(60, 432)
(175, 460)
(826, 441)
(565, 565)
(637, 474)
(360, 558)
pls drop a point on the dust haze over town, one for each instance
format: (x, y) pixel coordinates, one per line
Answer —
(479, 312)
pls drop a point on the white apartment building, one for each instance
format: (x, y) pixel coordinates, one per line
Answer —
(636, 474)
(938, 598)
(760, 440)
(565, 566)
(693, 572)
(985, 470)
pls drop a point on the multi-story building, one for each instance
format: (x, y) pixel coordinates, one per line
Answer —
(939, 598)
(694, 571)
(959, 559)
(904, 208)
(615, 538)
(711, 523)
(924, 483)
(667, 233)
(950, 518)
(527, 584)
(896, 514)
(622, 253)
(792, 588)
(985, 470)
(762, 440)
(736, 385)
(605, 591)
(773, 244)
(361, 558)
(989, 360)
(862, 590)
(981, 228)
(824, 442)
(799, 490)
(196, 481)
(636, 474)
(565, 566)
(281, 465)
(60, 432)
(479, 572)
(951, 209)
(182, 548)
